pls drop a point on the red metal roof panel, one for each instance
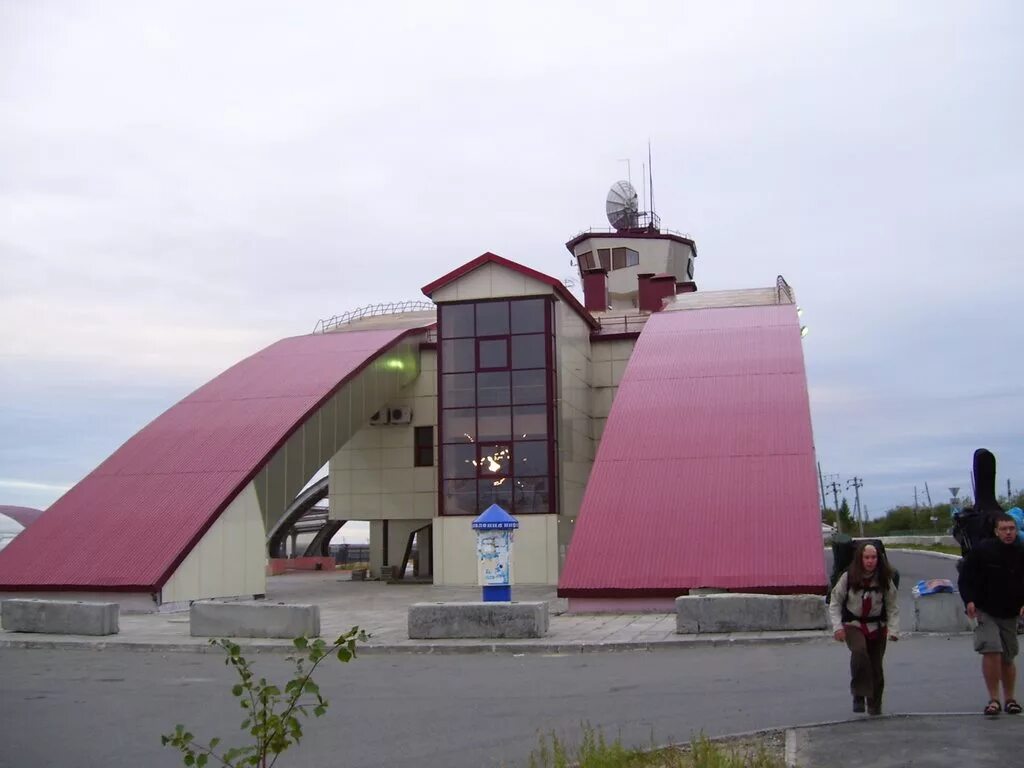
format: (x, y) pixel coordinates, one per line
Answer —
(705, 473)
(130, 522)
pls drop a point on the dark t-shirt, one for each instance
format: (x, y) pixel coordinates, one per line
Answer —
(992, 578)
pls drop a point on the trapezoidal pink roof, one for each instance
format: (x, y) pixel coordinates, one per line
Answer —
(129, 524)
(705, 474)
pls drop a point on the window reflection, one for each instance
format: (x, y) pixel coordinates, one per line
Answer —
(493, 388)
(458, 390)
(529, 387)
(528, 316)
(459, 425)
(492, 318)
(529, 351)
(458, 355)
(456, 320)
(494, 423)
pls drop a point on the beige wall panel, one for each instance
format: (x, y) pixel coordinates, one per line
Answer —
(425, 478)
(534, 554)
(366, 506)
(475, 285)
(328, 428)
(601, 373)
(618, 369)
(311, 462)
(396, 458)
(424, 505)
(622, 349)
(535, 551)
(229, 561)
(454, 551)
(601, 351)
(397, 481)
(397, 505)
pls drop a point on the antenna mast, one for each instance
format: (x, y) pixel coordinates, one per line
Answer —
(650, 173)
(643, 173)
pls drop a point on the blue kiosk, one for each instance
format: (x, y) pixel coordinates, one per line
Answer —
(494, 534)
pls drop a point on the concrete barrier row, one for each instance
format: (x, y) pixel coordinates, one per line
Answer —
(59, 617)
(729, 612)
(435, 621)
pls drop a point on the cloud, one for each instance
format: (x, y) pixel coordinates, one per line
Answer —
(183, 185)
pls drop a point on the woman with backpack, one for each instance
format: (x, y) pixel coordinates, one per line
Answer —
(865, 613)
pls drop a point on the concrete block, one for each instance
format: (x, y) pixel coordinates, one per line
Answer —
(253, 618)
(749, 613)
(434, 621)
(60, 617)
(941, 612)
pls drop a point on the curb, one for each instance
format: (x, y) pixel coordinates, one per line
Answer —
(943, 555)
(249, 645)
(794, 732)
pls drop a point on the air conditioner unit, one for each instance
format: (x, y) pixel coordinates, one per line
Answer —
(380, 417)
(401, 415)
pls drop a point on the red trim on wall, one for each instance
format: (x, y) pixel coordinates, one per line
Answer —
(595, 290)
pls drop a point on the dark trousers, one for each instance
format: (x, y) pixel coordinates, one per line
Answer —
(866, 676)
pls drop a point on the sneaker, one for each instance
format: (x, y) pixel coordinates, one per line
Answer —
(858, 703)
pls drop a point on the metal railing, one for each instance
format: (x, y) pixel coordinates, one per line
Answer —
(626, 232)
(782, 289)
(622, 323)
(373, 310)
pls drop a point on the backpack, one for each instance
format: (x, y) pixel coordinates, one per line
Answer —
(843, 547)
(974, 524)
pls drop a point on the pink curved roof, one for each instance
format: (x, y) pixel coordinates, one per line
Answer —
(24, 515)
(131, 522)
(705, 474)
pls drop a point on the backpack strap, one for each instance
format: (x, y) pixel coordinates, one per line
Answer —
(849, 617)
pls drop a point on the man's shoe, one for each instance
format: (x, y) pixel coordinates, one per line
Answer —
(874, 707)
(858, 703)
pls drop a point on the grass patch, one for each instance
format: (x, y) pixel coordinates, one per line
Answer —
(944, 548)
(595, 751)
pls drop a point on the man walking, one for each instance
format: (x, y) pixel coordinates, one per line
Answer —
(992, 588)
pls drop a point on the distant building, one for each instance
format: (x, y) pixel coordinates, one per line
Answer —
(651, 439)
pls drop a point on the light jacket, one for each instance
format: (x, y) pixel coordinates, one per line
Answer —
(854, 601)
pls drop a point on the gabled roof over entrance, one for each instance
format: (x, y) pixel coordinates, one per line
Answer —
(705, 475)
(130, 523)
(492, 258)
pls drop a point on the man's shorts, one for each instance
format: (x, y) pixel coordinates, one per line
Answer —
(995, 635)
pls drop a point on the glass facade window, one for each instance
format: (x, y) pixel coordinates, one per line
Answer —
(624, 257)
(496, 426)
(586, 260)
(604, 257)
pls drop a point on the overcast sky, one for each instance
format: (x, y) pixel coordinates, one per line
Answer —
(182, 185)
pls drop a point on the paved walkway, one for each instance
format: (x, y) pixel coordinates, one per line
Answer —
(954, 740)
(903, 740)
(382, 610)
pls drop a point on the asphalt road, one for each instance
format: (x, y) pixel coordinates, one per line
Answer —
(108, 708)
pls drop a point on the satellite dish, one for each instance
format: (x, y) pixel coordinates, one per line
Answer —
(621, 205)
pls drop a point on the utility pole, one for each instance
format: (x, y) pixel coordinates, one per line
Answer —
(834, 487)
(821, 481)
(857, 483)
(928, 495)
